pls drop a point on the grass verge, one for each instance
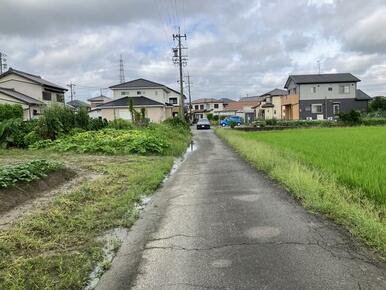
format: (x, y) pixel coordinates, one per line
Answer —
(318, 191)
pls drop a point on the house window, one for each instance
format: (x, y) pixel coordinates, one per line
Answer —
(173, 101)
(216, 106)
(60, 98)
(294, 91)
(316, 108)
(138, 92)
(123, 93)
(46, 96)
(344, 89)
(34, 112)
(274, 112)
(268, 100)
(307, 108)
(201, 107)
(313, 90)
(336, 108)
(330, 89)
(196, 107)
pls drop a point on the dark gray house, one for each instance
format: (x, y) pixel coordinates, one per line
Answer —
(322, 96)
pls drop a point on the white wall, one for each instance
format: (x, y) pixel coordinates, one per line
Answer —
(156, 94)
(22, 85)
(322, 91)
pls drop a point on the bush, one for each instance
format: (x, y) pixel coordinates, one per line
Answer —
(378, 104)
(352, 118)
(374, 121)
(82, 119)
(96, 124)
(26, 172)
(8, 112)
(120, 124)
(232, 124)
(12, 133)
(176, 123)
(271, 122)
(209, 116)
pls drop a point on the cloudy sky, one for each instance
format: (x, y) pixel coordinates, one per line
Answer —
(235, 47)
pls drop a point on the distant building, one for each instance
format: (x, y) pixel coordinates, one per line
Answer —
(77, 104)
(149, 89)
(322, 96)
(32, 92)
(202, 107)
(95, 101)
(244, 109)
(269, 106)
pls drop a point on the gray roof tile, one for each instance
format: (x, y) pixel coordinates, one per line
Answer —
(124, 102)
(322, 78)
(21, 97)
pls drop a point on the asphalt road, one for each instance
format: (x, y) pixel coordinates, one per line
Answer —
(217, 223)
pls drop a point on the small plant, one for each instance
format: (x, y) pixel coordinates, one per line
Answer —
(353, 117)
(271, 122)
(232, 124)
(26, 172)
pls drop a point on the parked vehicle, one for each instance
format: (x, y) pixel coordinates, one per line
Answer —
(227, 121)
(203, 124)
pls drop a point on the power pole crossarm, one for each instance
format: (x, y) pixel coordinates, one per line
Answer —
(180, 60)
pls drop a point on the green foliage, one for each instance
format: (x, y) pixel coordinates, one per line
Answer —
(271, 122)
(82, 119)
(232, 123)
(120, 124)
(210, 116)
(26, 172)
(378, 104)
(96, 124)
(374, 121)
(8, 111)
(110, 141)
(177, 123)
(352, 118)
(13, 132)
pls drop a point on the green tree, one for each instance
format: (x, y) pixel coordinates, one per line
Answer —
(378, 104)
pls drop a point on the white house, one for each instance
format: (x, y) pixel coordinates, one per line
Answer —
(32, 92)
(159, 101)
(202, 107)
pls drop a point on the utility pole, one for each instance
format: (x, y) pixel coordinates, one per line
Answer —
(319, 65)
(190, 98)
(72, 92)
(181, 60)
(3, 62)
(121, 70)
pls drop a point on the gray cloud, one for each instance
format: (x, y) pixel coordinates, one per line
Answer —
(235, 47)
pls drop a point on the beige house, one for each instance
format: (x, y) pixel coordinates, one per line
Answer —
(270, 105)
(31, 91)
(119, 109)
(244, 109)
(95, 101)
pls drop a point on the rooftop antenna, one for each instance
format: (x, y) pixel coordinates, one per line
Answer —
(121, 70)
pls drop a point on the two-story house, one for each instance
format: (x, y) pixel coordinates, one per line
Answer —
(159, 101)
(32, 92)
(322, 96)
(269, 106)
(202, 107)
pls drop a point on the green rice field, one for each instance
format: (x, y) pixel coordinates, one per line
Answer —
(356, 156)
(338, 172)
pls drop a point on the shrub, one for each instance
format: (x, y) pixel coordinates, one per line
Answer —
(210, 116)
(176, 123)
(82, 119)
(26, 172)
(8, 112)
(97, 124)
(271, 122)
(352, 118)
(12, 133)
(232, 124)
(120, 124)
(378, 104)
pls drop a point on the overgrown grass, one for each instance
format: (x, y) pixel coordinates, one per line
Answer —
(315, 164)
(56, 247)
